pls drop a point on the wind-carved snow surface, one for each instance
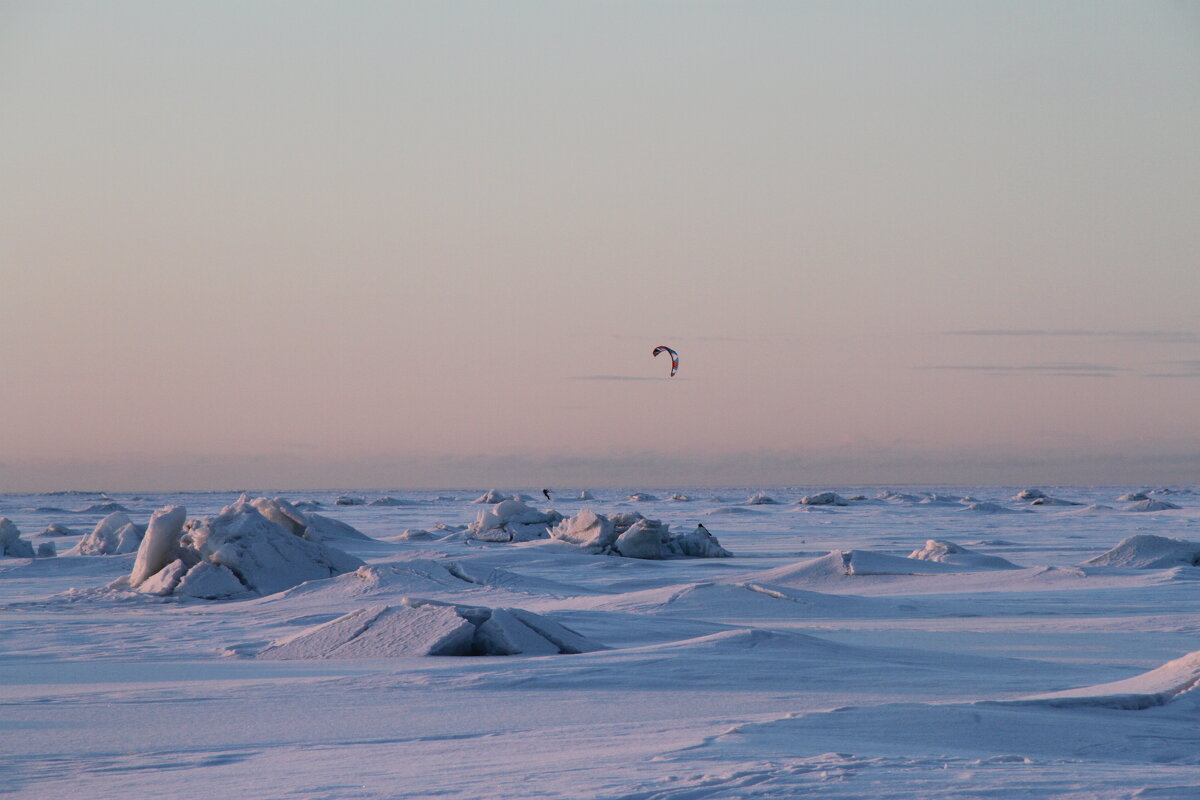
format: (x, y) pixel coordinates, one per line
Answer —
(919, 644)
(951, 553)
(419, 627)
(1151, 505)
(824, 499)
(1145, 551)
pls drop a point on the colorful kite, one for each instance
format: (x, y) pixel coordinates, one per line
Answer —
(674, 357)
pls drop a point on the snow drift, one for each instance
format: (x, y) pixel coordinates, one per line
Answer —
(824, 499)
(1151, 505)
(419, 627)
(950, 553)
(1145, 551)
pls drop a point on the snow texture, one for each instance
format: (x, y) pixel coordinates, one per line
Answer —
(421, 627)
(950, 553)
(1145, 551)
(824, 499)
(1151, 505)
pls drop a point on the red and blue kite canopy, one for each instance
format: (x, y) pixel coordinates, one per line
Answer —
(674, 357)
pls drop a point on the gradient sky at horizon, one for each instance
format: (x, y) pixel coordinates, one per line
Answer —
(314, 244)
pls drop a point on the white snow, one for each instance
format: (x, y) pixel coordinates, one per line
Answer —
(419, 627)
(824, 499)
(1146, 551)
(885, 650)
(1151, 505)
(950, 553)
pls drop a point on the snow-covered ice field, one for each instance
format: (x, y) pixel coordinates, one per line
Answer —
(839, 653)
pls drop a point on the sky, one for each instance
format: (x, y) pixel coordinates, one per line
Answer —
(432, 244)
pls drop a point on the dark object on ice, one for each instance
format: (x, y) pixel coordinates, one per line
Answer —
(547, 493)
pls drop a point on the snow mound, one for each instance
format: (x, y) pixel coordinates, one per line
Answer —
(641, 497)
(429, 628)
(415, 534)
(112, 535)
(761, 499)
(933, 498)
(824, 499)
(350, 500)
(679, 498)
(740, 601)
(491, 497)
(513, 521)
(11, 543)
(631, 535)
(55, 529)
(721, 511)
(1151, 505)
(398, 580)
(897, 497)
(585, 495)
(321, 528)
(103, 508)
(1157, 687)
(1054, 501)
(945, 552)
(988, 508)
(1092, 509)
(388, 500)
(263, 556)
(1145, 551)
(838, 565)
(1029, 494)
(1132, 497)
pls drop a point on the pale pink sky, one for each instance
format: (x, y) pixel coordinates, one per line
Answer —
(433, 244)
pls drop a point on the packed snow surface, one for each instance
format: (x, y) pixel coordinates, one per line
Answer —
(1145, 551)
(416, 644)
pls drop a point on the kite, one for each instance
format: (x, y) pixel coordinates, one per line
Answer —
(674, 357)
